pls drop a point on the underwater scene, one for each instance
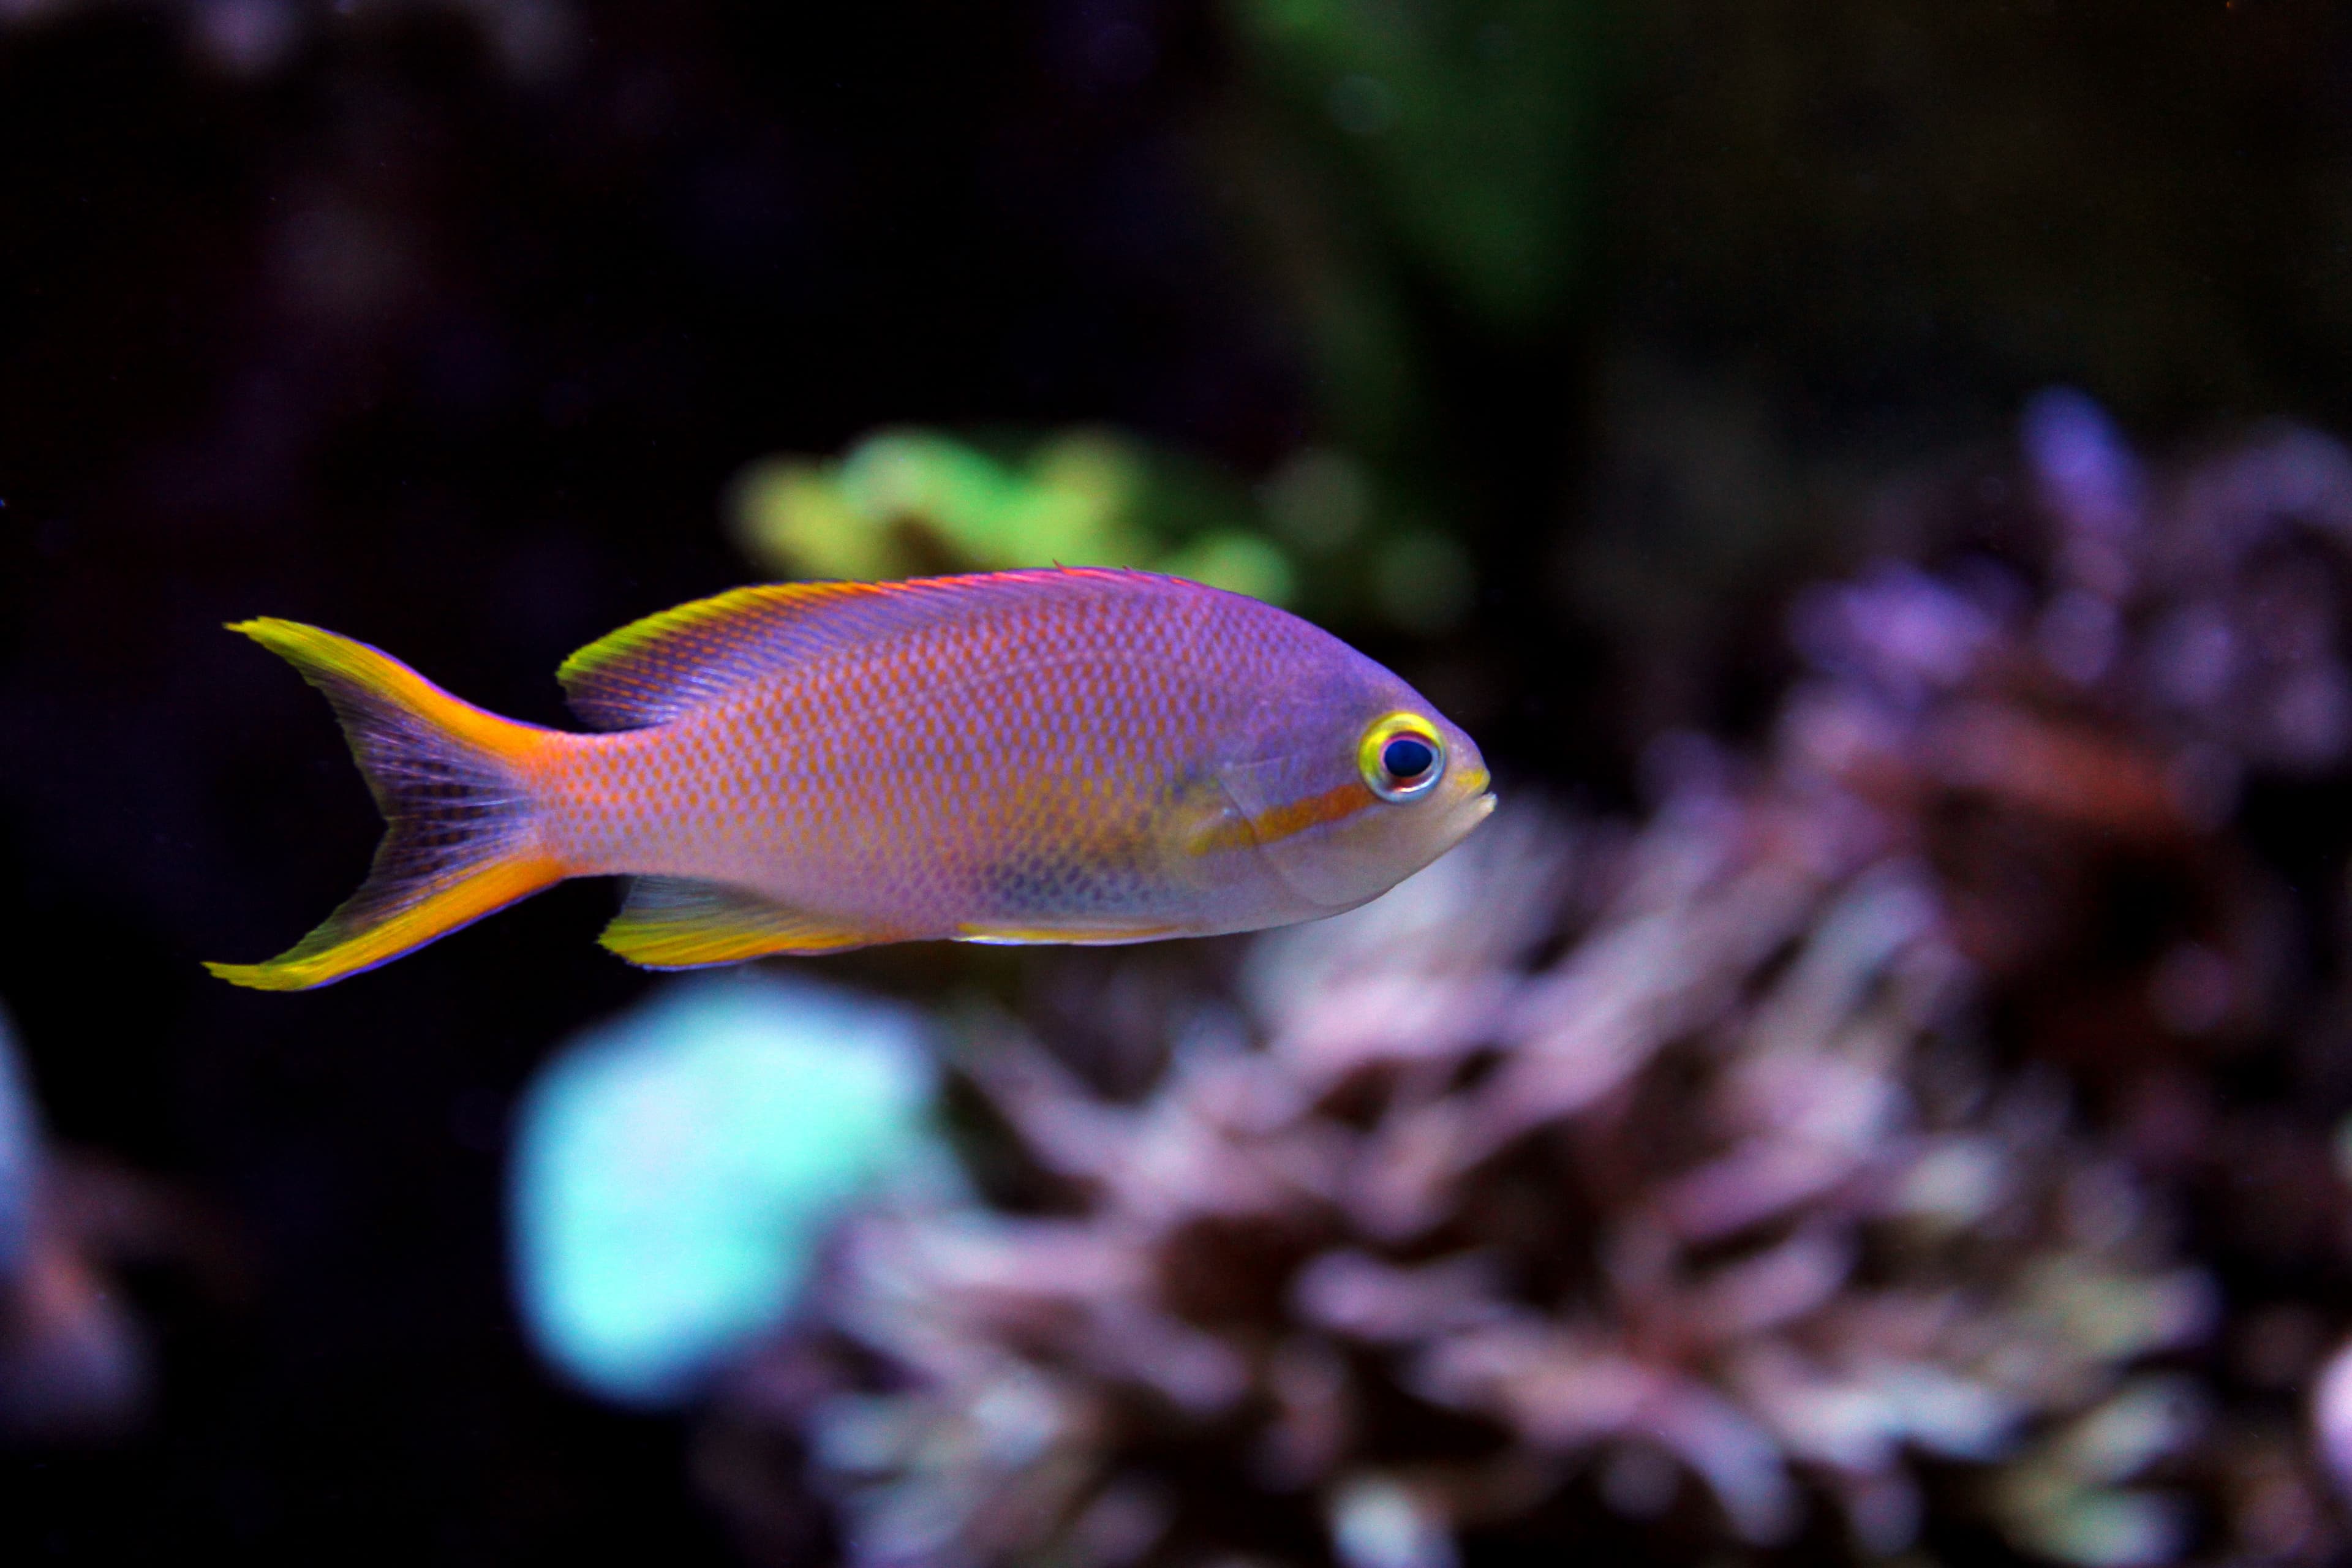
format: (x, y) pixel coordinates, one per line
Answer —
(1122, 784)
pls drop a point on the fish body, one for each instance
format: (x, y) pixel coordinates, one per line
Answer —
(1079, 755)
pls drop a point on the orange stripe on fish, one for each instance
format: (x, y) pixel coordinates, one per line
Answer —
(1277, 823)
(1333, 804)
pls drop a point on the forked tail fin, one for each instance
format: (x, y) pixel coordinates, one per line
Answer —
(461, 835)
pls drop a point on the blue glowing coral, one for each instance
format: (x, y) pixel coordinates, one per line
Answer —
(19, 1158)
(676, 1170)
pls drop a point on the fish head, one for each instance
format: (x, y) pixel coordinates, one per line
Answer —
(1349, 783)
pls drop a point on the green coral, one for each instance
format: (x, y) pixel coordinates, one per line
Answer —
(1391, 155)
(1319, 536)
(907, 501)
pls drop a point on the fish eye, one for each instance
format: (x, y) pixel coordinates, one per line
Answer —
(1407, 757)
(1401, 757)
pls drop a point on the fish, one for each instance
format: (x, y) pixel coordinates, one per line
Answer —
(1066, 755)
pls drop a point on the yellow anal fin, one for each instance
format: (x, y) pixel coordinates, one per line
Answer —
(677, 922)
(1080, 936)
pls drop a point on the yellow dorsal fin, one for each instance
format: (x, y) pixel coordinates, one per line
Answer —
(675, 922)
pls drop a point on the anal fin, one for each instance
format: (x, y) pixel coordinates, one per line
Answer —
(677, 922)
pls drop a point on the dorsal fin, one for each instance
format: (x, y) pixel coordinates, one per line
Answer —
(652, 670)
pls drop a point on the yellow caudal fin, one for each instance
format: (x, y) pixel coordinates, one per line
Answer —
(461, 834)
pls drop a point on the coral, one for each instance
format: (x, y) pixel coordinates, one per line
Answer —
(2100, 721)
(2152, 639)
(1804, 1172)
(1451, 1241)
(675, 1168)
(2115, 721)
(72, 1360)
(75, 1359)
(905, 502)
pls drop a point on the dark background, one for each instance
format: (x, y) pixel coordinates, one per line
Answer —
(457, 351)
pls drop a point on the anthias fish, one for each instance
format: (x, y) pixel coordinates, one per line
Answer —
(1053, 756)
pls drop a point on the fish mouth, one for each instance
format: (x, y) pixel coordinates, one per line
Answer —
(1482, 801)
(1474, 805)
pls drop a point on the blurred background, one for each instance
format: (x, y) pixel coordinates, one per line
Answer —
(1866, 473)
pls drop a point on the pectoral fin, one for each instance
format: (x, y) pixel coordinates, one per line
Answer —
(675, 922)
(1203, 821)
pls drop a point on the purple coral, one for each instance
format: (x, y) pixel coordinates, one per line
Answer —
(1714, 1205)
(1797, 1173)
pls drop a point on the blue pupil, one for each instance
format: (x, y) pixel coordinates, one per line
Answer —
(1405, 759)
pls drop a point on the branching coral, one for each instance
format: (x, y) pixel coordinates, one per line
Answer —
(1723, 1185)
(2121, 653)
(1450, 1238)
(2113, 723)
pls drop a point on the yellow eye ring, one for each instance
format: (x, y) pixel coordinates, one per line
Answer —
(1401, 757)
